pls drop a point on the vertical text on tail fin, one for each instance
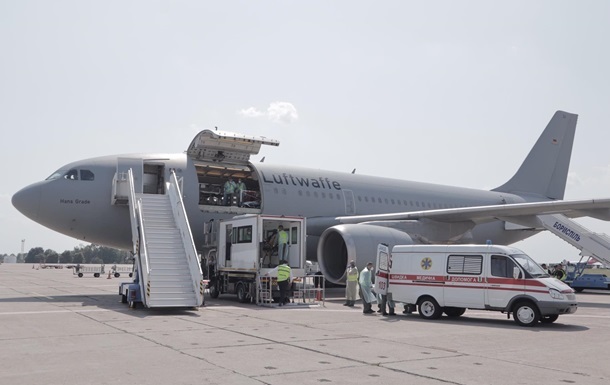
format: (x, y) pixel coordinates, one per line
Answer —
(545, 170)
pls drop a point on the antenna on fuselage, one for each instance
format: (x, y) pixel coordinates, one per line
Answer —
(262, 159)
(353, 171)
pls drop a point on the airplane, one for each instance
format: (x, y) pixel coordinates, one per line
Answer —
(348, 214)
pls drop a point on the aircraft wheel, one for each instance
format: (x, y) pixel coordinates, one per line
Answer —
(454, 311)
(526, 314)
(549, 319)
(429, 308)
(242, 294)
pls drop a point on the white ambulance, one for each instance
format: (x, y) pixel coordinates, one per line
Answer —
(452, 278)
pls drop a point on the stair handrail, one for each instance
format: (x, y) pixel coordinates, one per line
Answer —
(179, 211)
(138, 237)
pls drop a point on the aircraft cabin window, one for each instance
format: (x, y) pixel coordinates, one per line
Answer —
(86, 175)
(71, 174)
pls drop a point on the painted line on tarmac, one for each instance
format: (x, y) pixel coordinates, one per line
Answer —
(54, 311)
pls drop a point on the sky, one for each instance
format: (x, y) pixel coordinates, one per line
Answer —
(445, 92)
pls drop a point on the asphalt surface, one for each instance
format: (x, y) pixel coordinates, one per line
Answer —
(56, 328)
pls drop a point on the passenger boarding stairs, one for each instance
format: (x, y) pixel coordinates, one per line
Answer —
(591, 244)
(169, 272)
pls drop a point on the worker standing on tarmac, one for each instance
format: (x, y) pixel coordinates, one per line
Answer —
(282, 242)
(284, 279)
(366, 286)
(560, 273)
(351, 289)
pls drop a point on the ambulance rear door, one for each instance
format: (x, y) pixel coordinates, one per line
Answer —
(384, 263)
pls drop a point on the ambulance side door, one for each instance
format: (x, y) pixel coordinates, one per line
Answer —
(464, 282)
(501, 285)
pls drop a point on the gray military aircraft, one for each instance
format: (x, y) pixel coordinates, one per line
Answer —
(347, 214)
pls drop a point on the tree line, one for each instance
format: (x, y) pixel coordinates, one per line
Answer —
(93, 254)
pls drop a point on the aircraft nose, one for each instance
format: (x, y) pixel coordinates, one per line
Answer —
(27, 201)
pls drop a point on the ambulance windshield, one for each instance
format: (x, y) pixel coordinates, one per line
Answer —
(529, 265)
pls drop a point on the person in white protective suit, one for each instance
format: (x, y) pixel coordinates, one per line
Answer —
(366, 288)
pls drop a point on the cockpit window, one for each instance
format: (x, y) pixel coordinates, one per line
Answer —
(71, 174)
(86, 175)
(56, 175)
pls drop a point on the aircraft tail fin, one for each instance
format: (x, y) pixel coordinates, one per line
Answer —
(545, 170)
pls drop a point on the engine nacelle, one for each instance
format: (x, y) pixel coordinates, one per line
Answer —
(342, 243)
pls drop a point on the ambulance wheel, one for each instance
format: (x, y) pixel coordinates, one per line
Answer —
(429, 309)
(526, 314)
(80, 275)
(549, 319)
(454, 311)
(117, 275)
(96, 275)
(214, 291)
(242, 294)
(130, 275)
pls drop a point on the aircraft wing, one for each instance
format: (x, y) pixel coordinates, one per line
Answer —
(597, 208)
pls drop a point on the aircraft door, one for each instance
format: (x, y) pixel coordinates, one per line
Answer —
(350, 204)
(137, 167)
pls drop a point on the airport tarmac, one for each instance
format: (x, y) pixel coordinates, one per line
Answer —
(56, 328)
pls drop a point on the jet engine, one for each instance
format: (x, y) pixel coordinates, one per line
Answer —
(342, 243)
